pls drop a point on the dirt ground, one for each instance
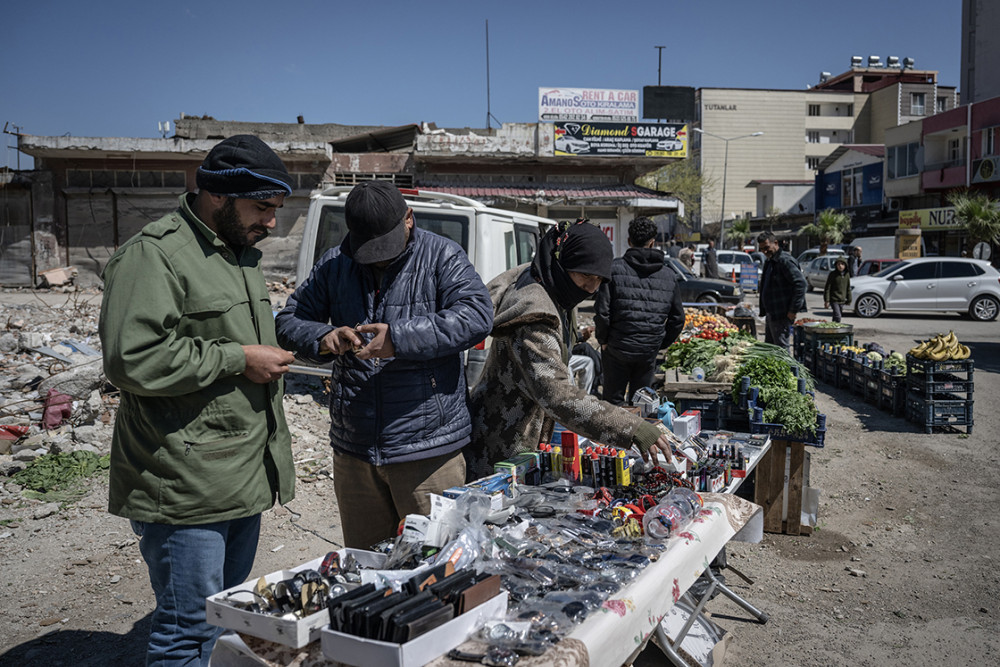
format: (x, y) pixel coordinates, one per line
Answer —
(902, 569)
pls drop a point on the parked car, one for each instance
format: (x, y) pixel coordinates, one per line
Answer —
(809, 255)
(817, 271)
(703, 290)
(730, 261)
(872, 266)
(931, 284)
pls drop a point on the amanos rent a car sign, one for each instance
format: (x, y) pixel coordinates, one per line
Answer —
(588, 104)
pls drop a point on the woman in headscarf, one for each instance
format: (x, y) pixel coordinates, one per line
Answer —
(525, 386)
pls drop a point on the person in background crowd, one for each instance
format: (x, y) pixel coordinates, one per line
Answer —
(675, 248)
(687, 256)
(854, 261)
(782, 290)
(393, 307)
(837, 292)
(524, 388)
(200, 446)
(637, 313)
(711, 261)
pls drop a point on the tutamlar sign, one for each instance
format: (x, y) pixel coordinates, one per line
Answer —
(588, 104)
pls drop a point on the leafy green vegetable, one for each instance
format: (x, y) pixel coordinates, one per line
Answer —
(766, 372)
(55, 477)
(691, 353)
(795, 411)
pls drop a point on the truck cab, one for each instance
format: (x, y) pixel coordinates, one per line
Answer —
(494, 239)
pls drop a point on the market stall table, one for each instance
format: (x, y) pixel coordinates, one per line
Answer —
(610, 635)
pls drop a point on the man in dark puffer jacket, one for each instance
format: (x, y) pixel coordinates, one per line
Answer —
(637, 312)
(394, 307)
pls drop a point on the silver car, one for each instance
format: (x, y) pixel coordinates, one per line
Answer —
(817, 271)
(931, 284)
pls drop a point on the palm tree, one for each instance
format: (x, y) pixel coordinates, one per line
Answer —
(739, 231)
(979, 213)
(830, 227)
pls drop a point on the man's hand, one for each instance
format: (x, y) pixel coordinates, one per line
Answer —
(266, 363)
(661, 444)
(380, 346)
(826, 304)
(340, 341)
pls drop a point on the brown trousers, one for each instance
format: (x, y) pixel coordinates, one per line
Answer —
(374, 499)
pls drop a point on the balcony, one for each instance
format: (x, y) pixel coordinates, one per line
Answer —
(943, 176)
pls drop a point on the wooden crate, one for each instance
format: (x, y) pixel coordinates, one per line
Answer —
(770, 491)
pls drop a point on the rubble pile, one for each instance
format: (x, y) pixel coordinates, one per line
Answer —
(55, 398)
(53, 393)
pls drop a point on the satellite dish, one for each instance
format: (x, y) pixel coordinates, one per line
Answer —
(982, 250)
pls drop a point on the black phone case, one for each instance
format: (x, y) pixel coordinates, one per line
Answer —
(334, 604)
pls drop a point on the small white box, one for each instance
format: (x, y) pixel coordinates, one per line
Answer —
(685, 426)
(362, 652)
(289, 632)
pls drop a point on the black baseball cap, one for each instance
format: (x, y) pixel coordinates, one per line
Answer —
(375, 212)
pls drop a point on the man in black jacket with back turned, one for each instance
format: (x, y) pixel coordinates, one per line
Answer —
(637, 313)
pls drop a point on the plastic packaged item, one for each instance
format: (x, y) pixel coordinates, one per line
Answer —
(673, 512)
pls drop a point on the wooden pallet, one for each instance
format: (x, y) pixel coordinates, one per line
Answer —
(769, 489)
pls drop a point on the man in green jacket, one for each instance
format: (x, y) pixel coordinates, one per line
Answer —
(200, 446)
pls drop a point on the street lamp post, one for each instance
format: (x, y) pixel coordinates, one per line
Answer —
(725, 169)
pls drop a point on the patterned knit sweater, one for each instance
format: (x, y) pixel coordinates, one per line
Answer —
(525, 386)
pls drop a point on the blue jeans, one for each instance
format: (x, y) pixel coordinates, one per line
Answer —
(186, 565)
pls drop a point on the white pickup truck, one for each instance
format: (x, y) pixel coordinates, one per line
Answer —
(495, 239)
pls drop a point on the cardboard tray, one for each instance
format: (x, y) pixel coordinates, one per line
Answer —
(295, 633)
(361, 652)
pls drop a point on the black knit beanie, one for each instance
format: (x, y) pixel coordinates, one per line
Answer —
(244, 167)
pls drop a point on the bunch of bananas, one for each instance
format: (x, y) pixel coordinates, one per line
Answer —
(941, 348)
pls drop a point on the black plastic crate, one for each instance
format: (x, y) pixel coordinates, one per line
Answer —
(872, 385)
(933, 383)
(859, 371)
(940, 410)
(931, 367)
(892, 393)
(778, 432)
(711, 410)
(844, 371)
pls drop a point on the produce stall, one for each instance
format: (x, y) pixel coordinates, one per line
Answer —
(759, 388)
(932, 385)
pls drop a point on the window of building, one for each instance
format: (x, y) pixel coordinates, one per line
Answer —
(812, 163)
(850, 109)
(954, 150)
(940, 104)
(991, 140)
(812, 137)
(901, 161)
(917, 104)
(852, 187)
(813, 109)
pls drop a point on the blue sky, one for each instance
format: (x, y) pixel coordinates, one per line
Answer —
(114, 68)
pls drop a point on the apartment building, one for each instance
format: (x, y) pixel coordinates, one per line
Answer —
(801, 128)
(980, 50)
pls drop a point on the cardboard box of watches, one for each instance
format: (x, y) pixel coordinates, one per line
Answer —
(223, 609)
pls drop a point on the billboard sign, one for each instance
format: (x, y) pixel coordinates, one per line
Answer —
(621, 139)
(930, 219)
(588, 104)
